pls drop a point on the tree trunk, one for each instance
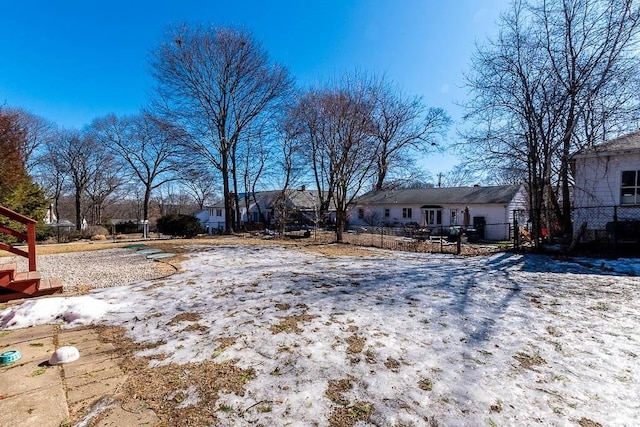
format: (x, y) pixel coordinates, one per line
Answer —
(340, 225)
(228, 209)
(78, 210)
(145, 207)
(382, 174)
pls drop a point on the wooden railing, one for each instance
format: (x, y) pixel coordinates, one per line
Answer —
(29, 236)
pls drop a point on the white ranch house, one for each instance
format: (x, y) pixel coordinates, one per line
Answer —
(487, 209)
(607, 175)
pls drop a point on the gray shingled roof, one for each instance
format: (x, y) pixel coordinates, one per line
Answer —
(625, 143)
(302, 199)
(442, 196)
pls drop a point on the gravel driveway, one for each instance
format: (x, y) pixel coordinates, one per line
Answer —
(96, 269)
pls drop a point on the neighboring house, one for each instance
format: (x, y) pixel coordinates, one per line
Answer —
(487, 209)
(212, 218)
(300, 205)
(606, 175)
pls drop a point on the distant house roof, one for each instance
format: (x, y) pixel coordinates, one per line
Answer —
(443, 196)
(216, 205)
(301, 199)
(623, 144)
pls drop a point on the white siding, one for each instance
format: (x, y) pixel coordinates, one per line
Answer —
(210, 221)
(597, 188)
(497, 216)
(597, 179)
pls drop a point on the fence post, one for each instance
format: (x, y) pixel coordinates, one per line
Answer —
(516, 231)
(615, 231)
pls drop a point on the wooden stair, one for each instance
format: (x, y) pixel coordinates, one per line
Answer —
(15, 285)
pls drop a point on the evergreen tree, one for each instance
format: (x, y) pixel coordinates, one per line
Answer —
(17, 190)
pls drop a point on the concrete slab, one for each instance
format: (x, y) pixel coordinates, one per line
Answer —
(75, 336)
(25, 374)
(46, 407)
(17, 336)
(101, 376)
(73, 369)
(88, 347)
(109, 412)
(22, 378)
(90, 359)
(34, 394)
(129, 416)
(93, 390)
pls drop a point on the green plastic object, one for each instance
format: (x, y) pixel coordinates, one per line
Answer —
(9, 357)
(134, 246)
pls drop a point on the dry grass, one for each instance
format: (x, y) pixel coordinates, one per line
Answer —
(321, 243)
(345, 414)
(164, 389)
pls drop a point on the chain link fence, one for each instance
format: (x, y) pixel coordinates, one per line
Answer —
(598, 230)
(440, 239)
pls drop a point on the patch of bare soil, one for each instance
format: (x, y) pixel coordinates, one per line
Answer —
(425, 384)
(392, 364)
(355, 344)
(184, 317)
(346, 414)
(528, 361)
(337, 387)
(166, 389)
(586, 422)
(342, 250)
(289, 324)
(195, 327)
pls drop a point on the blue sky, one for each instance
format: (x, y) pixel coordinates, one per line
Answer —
(73, 61)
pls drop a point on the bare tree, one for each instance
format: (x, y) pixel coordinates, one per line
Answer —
(546, 87)
(403, 128)
(36, 131)
(459, 176)
(336, 125)
(200, 183)
(172, 199)
(82, 157)
(103, 183)
(52, 174)
(306, 125)
(590, 45)
(215, 84)
(147, 147)
(287, 167)
(255, 155)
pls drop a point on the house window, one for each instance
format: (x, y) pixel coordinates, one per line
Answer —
(454, 217)
(630, 188)
(386, 213)
(406, 213)
(433, 216)
(218, 212)
(360, 213)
